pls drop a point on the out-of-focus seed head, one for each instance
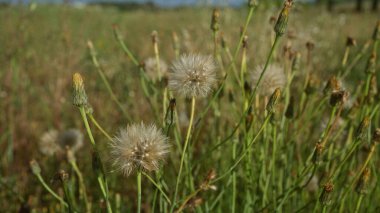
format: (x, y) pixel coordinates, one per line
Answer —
(193, 75)
(71, 138)
(79, 95)
(338, 97)
(326, 195)
(282, 20)
(252, 3)
(154, 36)
(273, 78)
(362, 185)
(376, 136)
(376, 32)
(350, 42)
(36, 169)
(310, 46)
(361, 131)
(139, 147)
(48, 143)
(332, 85)
(151, 68)
(215, 20)
(273, 100)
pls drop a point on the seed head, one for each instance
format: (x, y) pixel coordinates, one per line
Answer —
(338, 97)
(215, 20)
(79, 96)
(282, 20)
(193, 75)
(274, 78)
(52, 141)
(139, 147)
(48, 143)
(71, 138)
(325, 197)
(150, 67)
(273, 100)
(350, 42)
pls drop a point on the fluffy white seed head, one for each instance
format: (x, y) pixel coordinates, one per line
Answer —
(274, 77)
(71, 138)
(48, 143)
(193, 75)
(53, 141)
(139, 146)
(150, 65)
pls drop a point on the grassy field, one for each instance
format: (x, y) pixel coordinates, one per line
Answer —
(308, 147)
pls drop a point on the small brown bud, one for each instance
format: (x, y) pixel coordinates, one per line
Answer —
(326, 195)
(154, 36)
(362, 184)
(350, 42)
(273, 100)
(332, 85)
(215, 20)
(338, 97)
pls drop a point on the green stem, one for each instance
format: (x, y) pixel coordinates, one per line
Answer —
(60, 199)
(358, 203)
(157, 186)
(93, 120)
(138, 191)
(184, 149)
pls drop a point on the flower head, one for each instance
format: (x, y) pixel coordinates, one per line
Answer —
(53, 141)
(273, 78)
(71, 138)
(139, 147)
(193, 75)
(150, 66)
(47, 143)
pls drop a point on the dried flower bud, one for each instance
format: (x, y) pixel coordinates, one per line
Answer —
(371, 64)
(376, 32)
(154, 36)
(326, 195)
(62, 176)
(362, 184)
(252, 3)
(296, 64)
(272, 20)
(289, 113)
(79, 96)
(338, 97)
(215, 20)
(273, 101)
(350, 42)
(318, 153)
(361, 131)
(245, 42)
(282, 20)
(376, 136)
(205, 185)
(194, 202)
(332, 85)
(36, 169)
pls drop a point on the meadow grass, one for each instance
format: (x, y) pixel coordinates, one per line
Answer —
(290, 124)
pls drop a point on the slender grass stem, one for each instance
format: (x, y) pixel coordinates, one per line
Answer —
(93, 120)
(359, 203)
(138, 191)
(157, 186)
(60, 199)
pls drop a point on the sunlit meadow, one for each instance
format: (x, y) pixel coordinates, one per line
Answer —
(263, 108)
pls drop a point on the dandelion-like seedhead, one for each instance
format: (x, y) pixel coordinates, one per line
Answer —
(193, 75)
(150, 66)
(139, 146)
(48, 143)
(274, 77)
(71, 138)
(53, 141)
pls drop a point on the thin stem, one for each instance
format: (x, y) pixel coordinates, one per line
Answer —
(138, 191)
(60, 199)
(359, 203)
(81, 185)
(185, 148)
(93, 120)
(157, 186)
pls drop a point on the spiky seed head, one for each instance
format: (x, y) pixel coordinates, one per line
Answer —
(150, 67)
(139, 146)
(48, 143)
(79, 95)
(71, 138)
(193, 75)
(274, 78)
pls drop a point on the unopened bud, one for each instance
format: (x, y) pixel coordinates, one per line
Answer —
(252, 3)
(362, 184)
(361, 131)
(215, 20)
(350, 42)
(282, 20)
(338, 97)
(273, 100)
(79, 96)
(154, 36)
(36, 169)
(326, 195)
